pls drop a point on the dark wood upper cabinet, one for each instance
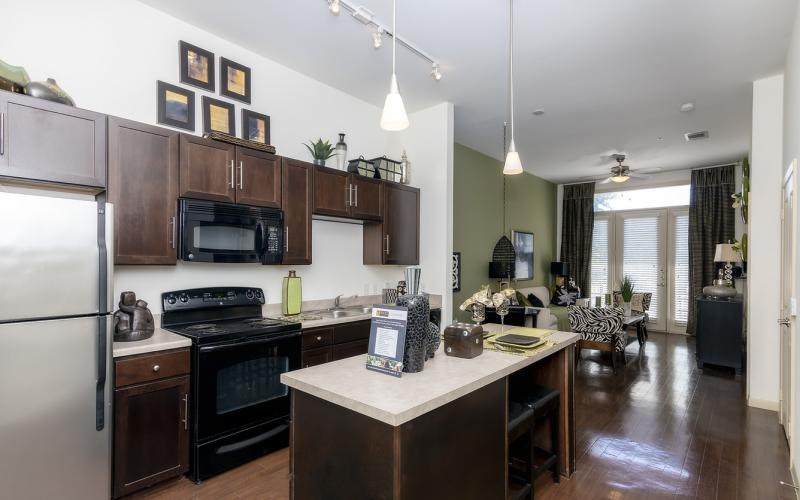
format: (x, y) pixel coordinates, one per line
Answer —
(143, 186)
(366, 200)
(258, 178)
(332, 192)
(297, 181)
(396, 239)
(46, 141)
(207, 169)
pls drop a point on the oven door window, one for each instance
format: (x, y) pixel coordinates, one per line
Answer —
(239, 384)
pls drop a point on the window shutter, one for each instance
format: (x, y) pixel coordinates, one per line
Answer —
(680, 284)
(599, 268)
(641, 252)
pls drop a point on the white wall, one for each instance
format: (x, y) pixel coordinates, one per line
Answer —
(764, 262)
(108, 56)
(791, 150)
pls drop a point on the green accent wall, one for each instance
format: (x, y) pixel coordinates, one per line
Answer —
(478, 219)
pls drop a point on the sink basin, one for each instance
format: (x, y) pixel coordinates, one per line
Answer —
(360, 309)
(343, 312)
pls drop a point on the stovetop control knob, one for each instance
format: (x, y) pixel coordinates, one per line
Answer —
(184, 298)
(259, 294)
(249, 294)
(171, 299)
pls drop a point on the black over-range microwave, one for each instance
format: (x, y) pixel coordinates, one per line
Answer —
(224, 232)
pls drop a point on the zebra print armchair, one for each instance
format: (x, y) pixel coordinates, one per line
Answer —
(600, 328)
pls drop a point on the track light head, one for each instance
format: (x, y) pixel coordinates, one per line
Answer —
(335, 7)
(436, 73)
(377, 38)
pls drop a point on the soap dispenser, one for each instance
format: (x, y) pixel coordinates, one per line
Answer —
(292, 297)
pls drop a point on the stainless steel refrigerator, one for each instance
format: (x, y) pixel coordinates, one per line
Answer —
(55, 345)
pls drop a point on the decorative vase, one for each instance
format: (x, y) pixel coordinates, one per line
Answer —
(292, 294)
(417, 331)
(404, 172)
(626, 308)
(434, 339)
(341, 153)
(319, 162)
(50, 91)
(478, 313)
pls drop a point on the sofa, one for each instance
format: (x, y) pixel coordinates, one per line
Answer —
(547, 318)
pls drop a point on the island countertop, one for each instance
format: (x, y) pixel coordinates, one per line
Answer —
(394, 401)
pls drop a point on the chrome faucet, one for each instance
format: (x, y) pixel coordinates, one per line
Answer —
(338, 301)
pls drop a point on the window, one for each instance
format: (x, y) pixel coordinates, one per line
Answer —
(599, 268)
(643, 254)
(680, 288)
(635, 199)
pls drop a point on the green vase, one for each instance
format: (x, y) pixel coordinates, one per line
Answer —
(292, 296)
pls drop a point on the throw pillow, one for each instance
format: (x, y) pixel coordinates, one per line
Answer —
(534, 300)
(565, 297)
(522, 300)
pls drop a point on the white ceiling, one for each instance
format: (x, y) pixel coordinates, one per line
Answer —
(611, 74)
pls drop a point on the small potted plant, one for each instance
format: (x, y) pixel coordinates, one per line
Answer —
(320, 151)
(626, 291)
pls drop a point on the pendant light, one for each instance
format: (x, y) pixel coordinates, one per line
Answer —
(513, 164)
(394, 115)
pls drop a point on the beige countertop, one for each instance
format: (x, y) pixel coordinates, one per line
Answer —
(394, 401)
(161, 340)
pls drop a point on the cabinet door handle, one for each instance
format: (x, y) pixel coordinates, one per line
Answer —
(172, 223)
(241, 175)
(233, 175)
(319, 338)
(355, 188)
(348, 197)
(286, 238)
(2, 134)
(156, 368)
(185, 419)
(387, 244)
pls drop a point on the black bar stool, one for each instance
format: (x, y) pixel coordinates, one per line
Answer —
(526, 461)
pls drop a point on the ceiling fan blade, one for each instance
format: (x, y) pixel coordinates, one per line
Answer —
(606, 181)
(638, 176)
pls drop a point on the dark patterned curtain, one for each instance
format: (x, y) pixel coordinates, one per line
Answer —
(711, 221)
(577, 224)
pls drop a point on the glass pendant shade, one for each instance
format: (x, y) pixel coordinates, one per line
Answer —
(620, 178)
(394, 117)
(513, 164)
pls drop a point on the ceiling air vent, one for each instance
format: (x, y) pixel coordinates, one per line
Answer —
(696, 136)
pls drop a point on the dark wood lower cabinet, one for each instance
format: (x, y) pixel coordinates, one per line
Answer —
(151, 421)
(325, 344)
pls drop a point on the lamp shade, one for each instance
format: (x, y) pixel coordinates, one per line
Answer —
(559, 268)
(394, 117)
(726, 253)
(513, 164)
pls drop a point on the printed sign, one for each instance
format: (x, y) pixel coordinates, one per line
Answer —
(387, 339)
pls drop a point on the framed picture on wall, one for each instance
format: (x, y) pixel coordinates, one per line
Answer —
(456, 271)
(197, 66)
(255, 126)
(234, 80)
(523, 245)
(218, 116)
(175, 106)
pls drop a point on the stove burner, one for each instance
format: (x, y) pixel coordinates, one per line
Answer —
(202, 326)
(262, 322)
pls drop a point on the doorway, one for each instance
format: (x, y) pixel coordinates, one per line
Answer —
(787, 319)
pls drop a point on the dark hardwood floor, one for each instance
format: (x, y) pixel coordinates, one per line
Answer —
(660, 429)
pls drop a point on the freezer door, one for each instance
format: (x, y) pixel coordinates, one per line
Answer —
(49, 443)
(49, 256)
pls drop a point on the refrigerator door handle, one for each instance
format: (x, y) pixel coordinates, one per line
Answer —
(100, 388)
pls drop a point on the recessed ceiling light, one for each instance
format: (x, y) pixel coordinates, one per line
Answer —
(687, 106)
(659, 138)
(538, 112)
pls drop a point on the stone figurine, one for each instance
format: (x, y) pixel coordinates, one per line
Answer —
(133, 321)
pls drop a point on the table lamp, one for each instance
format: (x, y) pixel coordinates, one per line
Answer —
(560, 270)
(722, 287)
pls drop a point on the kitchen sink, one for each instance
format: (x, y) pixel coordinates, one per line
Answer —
(343, 312)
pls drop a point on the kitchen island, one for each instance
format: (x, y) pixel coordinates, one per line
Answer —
(440, 433)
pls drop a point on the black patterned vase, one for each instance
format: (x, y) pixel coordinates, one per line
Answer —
(417, 331)
(434, 339)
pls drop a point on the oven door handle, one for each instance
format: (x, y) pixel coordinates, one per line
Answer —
(246, 342)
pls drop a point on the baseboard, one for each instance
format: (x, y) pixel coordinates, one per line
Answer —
(763, 404)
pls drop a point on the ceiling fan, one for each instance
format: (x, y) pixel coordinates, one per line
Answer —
(620, 173)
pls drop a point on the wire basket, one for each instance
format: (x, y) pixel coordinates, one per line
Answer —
(388, 169)
(363, 167)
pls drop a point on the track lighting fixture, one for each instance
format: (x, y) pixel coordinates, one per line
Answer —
(435, 72)
(334, 7)
(377, 38)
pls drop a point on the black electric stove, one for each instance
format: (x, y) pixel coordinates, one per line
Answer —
(240, 409)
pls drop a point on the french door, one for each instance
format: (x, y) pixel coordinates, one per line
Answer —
(650, 246)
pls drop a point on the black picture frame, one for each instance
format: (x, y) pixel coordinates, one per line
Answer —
(191, 70)
(173, 111)
(523, 245)
(246, 131)
(456, 271)
(226, 89)
(208, 118)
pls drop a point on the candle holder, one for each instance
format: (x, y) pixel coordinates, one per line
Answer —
(478, 313)
(502, 311)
